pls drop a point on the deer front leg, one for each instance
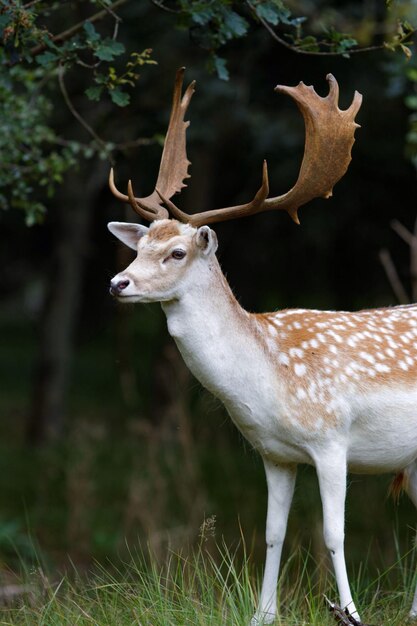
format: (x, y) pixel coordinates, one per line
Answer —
(332, 473)
(280, 480)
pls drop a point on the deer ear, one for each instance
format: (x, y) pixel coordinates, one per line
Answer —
(129, 234)
(206, 240)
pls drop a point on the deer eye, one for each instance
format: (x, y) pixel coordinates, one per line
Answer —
(178, 254)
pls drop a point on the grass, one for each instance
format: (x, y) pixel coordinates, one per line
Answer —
(81, 497)
(210, 587)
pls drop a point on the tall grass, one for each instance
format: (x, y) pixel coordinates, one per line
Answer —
(210, 587)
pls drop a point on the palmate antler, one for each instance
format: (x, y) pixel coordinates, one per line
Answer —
(329, 138)
(174, 162)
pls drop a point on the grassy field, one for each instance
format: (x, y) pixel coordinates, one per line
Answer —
(211, 587)
(132, 477)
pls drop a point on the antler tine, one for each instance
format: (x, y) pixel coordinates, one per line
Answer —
(220, 215)
(174, 164)
(147, 212)
(173, 209)
(118, 194)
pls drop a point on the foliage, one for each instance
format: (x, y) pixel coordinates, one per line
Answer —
(411, 102)
(213, 24)
(113, 82)
(33, 156)
(29, 154)
(36, 52)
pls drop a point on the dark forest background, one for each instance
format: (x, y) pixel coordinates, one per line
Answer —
(106, 439)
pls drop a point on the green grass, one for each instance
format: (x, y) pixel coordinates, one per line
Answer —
(211, 587)
(79, 497)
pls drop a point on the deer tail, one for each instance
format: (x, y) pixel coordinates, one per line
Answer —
(398, 485)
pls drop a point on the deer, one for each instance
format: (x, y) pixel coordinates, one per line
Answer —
(336, 390)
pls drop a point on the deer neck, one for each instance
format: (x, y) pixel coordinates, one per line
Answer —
(205, 311)
(214, 333)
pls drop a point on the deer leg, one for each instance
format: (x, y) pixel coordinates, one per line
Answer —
(280, 480)
(332, 473)
(410, 486)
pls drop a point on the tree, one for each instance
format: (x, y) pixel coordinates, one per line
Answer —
(37, 56)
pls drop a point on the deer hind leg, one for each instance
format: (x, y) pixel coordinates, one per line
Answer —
(280, 480)
(407, 480)
(331, 470)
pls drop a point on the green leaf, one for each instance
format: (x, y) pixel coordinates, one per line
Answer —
(220, 67)
(308, 43)
(202, 17)
(412, 137)
(100, 78)
(119, 97)
(411, 102)
(35, 214)
(5, 20)
(268, 12)
(92, 34)
(46, 58)
(345, 45)
(235, 24)
(94, 93)
(108, 49)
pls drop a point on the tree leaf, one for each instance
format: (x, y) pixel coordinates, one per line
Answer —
(94, 93)
(46, 57)
(119, 97)
(411, 102)
(202, 17)
(92, 34)
(268, 12)
(235, 24)
(108, 49)
(220, 67)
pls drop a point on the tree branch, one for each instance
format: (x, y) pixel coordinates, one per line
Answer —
(402, 232)
(28, 5)
(79, 118)
(122, 145)
(298, 50)
(393, 278)
(125, 145)
(161, 5)
(67, 34)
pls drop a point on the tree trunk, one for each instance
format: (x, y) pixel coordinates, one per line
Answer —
(47, 414)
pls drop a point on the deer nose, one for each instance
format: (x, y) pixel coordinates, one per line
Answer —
(117, 286)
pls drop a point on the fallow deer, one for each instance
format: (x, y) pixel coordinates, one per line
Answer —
(336, 390)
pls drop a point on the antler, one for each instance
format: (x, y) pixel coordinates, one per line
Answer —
(327, 153)
(174, 162)
(329, 137)
(328, 143)
(220, 215)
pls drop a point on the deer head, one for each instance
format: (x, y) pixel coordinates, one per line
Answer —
(171, 256)
(169, 246)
